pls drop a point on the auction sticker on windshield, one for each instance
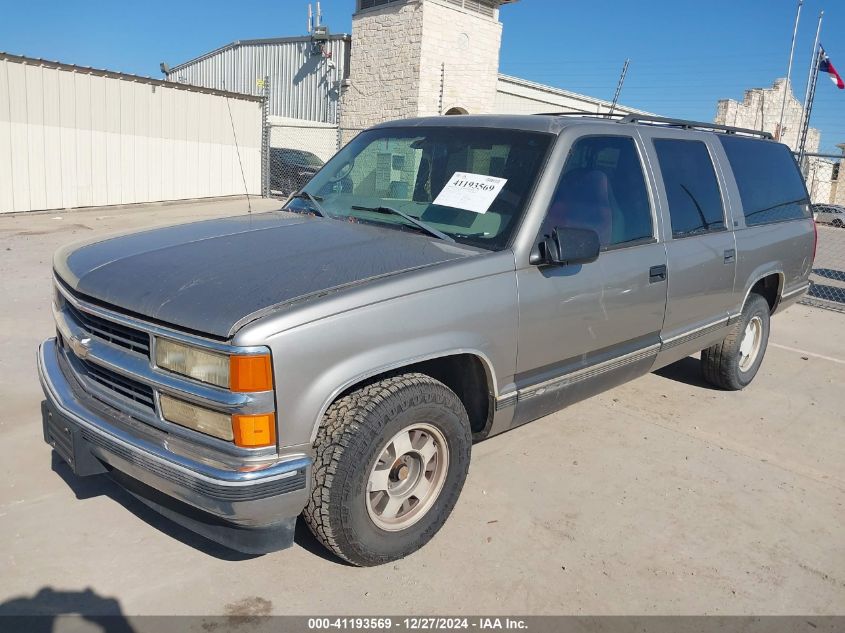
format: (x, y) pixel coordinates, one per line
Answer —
(472, 192)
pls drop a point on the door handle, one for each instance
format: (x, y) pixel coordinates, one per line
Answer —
(730, 256)
(657, 274)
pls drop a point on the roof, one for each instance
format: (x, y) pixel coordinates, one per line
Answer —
(259, 42)
(525, 83)
(101, 72)
(554, 123)
(527, 122)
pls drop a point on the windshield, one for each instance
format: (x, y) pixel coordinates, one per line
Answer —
(470, 183)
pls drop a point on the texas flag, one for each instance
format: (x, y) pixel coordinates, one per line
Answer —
(826, 67)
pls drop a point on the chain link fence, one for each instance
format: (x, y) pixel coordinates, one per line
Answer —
(828, 276)
(297, 150)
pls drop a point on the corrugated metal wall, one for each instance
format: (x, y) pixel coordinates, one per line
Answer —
(302, 85)
(73, 137)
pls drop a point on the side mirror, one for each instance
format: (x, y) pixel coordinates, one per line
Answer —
(568, 245)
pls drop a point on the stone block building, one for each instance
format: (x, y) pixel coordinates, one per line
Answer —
(760, 109)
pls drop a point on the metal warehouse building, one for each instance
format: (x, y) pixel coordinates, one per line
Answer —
(305, 76)
(72, 136)
(404, 58)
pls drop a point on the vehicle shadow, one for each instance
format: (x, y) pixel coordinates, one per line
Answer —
(686, 371)
(42, 612)
(303, 537)
(102, 485)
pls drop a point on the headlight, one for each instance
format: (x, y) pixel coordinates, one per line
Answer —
(210, 367)
(240, 373)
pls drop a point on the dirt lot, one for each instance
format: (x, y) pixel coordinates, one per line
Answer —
(660, 497)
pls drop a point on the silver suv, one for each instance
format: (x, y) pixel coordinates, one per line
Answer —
(439, 281)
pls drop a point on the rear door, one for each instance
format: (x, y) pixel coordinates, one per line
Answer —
(700, 244)
(587, 327)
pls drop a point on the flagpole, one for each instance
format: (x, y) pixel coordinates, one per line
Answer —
(808, 106)
(788, 85)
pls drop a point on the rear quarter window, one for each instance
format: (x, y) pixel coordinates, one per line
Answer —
(770, 185)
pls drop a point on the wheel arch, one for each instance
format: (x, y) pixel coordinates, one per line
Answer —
(443, 366)
(768, 284)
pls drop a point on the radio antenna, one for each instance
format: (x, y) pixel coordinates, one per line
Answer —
(238, 151)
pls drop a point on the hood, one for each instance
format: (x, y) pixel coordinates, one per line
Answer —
(211, 276)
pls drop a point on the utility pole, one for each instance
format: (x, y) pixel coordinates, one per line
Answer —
(789, 70)
(619, 86)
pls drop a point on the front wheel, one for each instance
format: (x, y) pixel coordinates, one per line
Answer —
(733, 363)
(391, 460)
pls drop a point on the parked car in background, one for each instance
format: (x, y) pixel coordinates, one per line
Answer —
(438, 282)
(290, 169)
(829, 214)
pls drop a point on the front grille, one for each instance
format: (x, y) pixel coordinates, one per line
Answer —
(126, 387)
(111, 332)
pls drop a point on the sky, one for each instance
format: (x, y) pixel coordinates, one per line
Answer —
(685, 54)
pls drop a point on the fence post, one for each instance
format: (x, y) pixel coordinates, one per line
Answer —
(265, 141)
(338, 119)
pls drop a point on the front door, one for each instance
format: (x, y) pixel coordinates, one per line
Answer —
(584, 328)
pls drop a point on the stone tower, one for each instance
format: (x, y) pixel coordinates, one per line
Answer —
(421, 58)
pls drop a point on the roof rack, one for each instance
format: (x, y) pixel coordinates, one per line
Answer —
(602, 115)
(694, 125)
(668, 122)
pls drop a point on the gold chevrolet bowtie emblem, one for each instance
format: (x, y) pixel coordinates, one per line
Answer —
(80, 347)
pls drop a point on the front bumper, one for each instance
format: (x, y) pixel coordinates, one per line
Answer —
(253, 511)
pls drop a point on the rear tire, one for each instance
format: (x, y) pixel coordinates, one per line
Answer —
(733, 363)
(377, 448)
(837, 223)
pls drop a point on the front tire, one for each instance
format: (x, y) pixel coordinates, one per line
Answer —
(733, 363)
(391, 460)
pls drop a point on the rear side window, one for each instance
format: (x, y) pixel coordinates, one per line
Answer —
(770, 185)
(602, 188)
(695, 203)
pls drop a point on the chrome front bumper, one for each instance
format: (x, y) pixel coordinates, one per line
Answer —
(224, 505)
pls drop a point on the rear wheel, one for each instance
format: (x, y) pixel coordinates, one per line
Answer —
(837, 223)
(391, 460)
(733, 363)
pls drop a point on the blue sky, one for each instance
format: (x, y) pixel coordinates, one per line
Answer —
(685, 54)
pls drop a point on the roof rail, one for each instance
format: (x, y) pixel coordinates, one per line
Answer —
(603, 115)
(668, 122)
(694, 125)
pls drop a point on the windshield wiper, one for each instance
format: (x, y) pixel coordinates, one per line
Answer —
(418, 223)
(314, 200)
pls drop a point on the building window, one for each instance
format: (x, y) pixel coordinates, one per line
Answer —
(483, 7)
(835, 175)
(372, 4)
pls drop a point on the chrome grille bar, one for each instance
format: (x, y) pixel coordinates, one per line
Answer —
(110, 331)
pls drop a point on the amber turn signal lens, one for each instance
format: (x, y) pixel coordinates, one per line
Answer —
(250, 373)
(252, 431)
